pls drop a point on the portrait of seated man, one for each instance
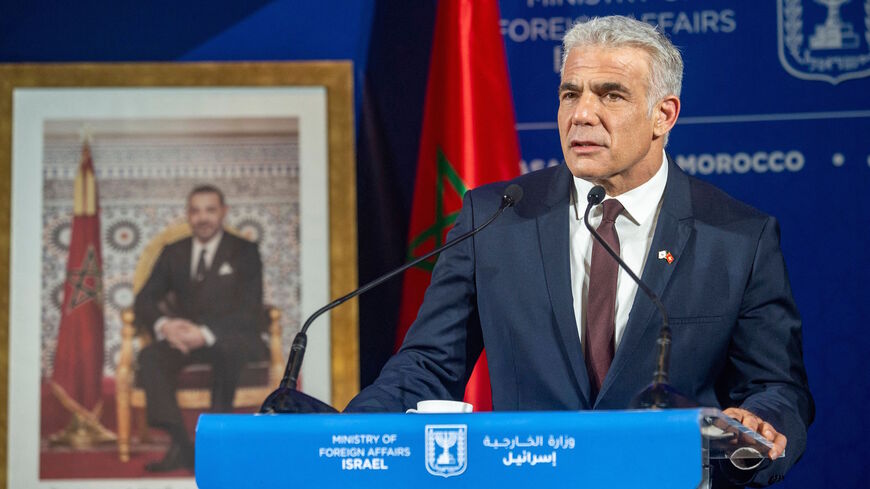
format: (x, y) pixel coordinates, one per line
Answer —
(203, 304)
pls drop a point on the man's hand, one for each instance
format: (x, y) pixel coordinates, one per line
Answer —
(183, 335)
(764, 428)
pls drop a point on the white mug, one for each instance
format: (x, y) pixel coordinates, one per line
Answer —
(439, 406)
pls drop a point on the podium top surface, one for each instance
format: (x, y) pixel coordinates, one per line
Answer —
(502, 449)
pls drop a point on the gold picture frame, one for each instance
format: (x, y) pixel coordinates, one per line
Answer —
(335, 78)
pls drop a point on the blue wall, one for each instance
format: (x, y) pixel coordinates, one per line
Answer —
(747, 98)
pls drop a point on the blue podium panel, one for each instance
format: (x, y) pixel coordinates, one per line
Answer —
(577, 449)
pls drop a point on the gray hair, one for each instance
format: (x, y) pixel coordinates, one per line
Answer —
(666, 64)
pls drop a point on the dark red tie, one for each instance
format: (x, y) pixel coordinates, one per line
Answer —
(601, 303)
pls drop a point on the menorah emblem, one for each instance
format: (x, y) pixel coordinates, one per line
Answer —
(834, 33)
(446, 449)
(831, 43)
(446, 440)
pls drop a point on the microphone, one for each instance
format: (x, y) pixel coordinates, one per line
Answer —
(286, 399)
(659, 394)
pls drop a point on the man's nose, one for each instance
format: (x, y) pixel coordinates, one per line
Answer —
(586, 111)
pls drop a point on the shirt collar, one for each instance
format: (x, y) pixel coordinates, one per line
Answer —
(209, 246)
(640, 203)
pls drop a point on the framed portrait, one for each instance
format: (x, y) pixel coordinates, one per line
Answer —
(122, 146)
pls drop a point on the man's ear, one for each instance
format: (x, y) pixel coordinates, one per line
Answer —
(665, 115)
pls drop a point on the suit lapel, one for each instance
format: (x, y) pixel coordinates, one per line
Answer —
(554, 242)
(221, 255)
(182, 266)
(673, 230)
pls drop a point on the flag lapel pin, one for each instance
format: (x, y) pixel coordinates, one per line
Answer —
(667, 256)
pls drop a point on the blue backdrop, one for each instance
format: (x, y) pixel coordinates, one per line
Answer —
(776, 110)
(778, 118)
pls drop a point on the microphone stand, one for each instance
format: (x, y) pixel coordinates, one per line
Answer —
(659, 394)
(286, 398)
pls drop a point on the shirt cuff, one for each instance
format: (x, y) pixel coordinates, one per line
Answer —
(158, 328)
(207, 335)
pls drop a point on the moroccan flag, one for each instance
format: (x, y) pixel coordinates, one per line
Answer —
(78, 359)
(468, 139)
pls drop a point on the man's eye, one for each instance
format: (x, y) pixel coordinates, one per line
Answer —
(568, 96)
(612, 96)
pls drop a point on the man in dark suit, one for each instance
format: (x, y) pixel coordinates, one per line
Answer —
(563, 327)
(203, 304)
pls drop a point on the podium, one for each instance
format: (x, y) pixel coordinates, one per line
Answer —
(669, 448)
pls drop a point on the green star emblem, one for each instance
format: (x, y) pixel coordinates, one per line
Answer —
(446, 178)
(86, 281)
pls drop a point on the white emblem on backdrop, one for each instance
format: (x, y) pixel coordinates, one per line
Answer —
(446, 449)
(824, 39)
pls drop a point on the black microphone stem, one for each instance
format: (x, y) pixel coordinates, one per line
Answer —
(297, 351)
(664, 341)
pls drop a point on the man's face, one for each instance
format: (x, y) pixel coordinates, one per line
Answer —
(606, 131)
(205, 215)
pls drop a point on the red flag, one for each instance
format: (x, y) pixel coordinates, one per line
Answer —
(468, 139)
(78, 359)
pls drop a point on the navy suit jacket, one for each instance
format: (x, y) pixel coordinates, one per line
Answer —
(736, 330)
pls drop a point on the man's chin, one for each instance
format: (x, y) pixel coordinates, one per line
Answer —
(588, 169)
(204, 237)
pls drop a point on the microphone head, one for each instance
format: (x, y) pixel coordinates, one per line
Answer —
(512, 195)
(596, 195)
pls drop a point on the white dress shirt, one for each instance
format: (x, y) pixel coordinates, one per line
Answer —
(210, 248)
(635, 227)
